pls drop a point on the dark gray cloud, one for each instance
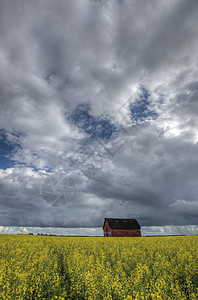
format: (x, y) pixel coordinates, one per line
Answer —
(133, 152)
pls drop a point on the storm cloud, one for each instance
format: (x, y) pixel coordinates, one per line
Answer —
(99, 105)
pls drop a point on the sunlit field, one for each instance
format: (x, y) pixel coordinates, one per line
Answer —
(44, 267)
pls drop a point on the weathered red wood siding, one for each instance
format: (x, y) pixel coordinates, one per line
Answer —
(126, 232)
(107, 229)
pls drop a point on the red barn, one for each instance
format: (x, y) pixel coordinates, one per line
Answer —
(121, 227)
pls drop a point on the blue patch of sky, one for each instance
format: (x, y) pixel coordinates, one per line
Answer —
(141, 109)
(6, 151)
(95, 127)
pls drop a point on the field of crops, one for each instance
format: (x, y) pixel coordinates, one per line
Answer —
(43, 267)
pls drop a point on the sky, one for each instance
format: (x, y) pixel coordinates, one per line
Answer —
(97, 231)
(98, 112)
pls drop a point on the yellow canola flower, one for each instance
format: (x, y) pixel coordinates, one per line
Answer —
(43, 267)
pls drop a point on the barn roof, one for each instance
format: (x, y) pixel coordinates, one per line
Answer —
(115, 223)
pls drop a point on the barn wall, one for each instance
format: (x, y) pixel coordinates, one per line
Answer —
(107, 228)
(126, 232)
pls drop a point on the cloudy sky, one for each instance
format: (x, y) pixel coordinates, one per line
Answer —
(98, 112)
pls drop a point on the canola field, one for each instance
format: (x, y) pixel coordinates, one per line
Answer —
(44, 267)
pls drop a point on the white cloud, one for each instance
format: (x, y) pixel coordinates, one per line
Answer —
(146, 231)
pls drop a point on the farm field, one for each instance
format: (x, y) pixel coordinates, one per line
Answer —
(45, 267)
